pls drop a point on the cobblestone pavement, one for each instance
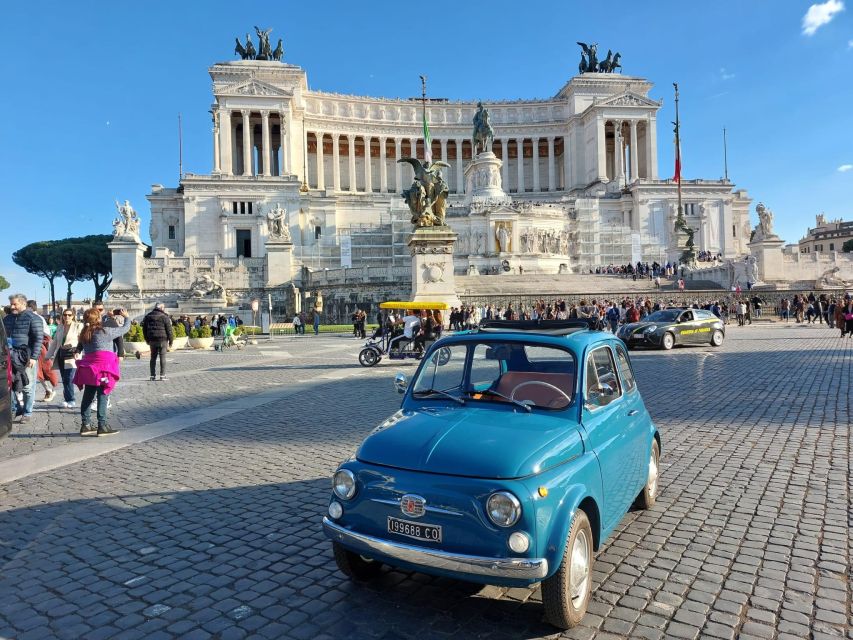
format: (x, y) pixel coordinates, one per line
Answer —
(213, 531)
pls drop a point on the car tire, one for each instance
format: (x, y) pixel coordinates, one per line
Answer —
(368, 357)
(717, 338)
(355, 566)
(668, 341)
(565, 595)
(648, 496)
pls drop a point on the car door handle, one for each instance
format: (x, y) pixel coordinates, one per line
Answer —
(633, 412)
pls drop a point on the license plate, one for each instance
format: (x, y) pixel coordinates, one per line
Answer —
(416, 530)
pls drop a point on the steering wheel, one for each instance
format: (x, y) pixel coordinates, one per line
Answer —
(543, 384)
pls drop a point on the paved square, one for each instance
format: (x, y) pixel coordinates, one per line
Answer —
(213, 530)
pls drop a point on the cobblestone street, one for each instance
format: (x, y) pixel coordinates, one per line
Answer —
(201, 519)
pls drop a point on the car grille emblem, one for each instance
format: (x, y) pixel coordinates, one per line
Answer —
(412, 505)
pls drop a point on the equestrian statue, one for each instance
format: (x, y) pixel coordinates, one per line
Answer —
(483, 134)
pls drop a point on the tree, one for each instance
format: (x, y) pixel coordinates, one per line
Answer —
(39, 258)
(4, 284)
(97, 262)
(847, 247)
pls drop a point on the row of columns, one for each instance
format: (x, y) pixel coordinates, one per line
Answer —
(225, 135)
(620, 146)
(500, 144)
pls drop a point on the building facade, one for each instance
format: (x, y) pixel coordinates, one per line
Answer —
(826, 236)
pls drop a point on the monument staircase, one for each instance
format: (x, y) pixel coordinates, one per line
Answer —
(556, 284)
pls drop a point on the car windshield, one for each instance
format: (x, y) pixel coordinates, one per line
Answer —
(525, 374)
(664, 315)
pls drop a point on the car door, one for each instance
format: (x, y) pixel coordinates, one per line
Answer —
(604, 421)
(686, 328)
(637, 419)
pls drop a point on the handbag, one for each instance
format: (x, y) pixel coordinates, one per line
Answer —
(66, 352)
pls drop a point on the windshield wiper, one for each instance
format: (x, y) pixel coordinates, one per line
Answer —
(492, 392)
(439, 392)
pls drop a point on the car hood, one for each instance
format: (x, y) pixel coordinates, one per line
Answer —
(472, 441)
(640, 326)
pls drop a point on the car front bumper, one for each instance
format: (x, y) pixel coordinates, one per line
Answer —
(504, 568)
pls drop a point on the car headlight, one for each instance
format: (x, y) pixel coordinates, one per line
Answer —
(343, 484)
(650, 329)
(503, 508)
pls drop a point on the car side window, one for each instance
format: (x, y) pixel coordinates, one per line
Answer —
(602, 383)
(687, 316)
(625, 369)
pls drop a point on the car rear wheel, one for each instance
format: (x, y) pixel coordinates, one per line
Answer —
(668, 341)
(565, 595)
(717, 338)
(649, 494)
(355, 566)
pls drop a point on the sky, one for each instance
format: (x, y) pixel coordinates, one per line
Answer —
(93, 90)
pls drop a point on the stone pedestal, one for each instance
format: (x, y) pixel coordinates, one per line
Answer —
(432, 265)
(279, 262)
(770, 265)
(483, 178)
(127, 265)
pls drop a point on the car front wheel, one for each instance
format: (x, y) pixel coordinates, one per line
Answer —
(565, 595)
(717, 338)
(668, 341)
(355, 566)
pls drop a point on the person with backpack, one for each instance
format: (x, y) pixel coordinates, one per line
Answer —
(157, 329)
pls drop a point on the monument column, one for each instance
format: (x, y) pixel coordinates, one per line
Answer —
(217, 167)
(351, 165)
(552, 173)
(398, 169)
(443, 142)
(383, 166)
(368, 170)
(225, 143)
(619, 166)
(336, 161)
(265, 141)
(601, 145)
(534, 143)
(505, 163)
(247, 144)
(321, 174)
(285, 165)
(568, 179)
(652, 154)
(635, 173)
(519, 142)
(460, 174)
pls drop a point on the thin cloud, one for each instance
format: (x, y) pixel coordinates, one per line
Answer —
(850, 44)
(820, 14)
(844, 168)
(725, 75)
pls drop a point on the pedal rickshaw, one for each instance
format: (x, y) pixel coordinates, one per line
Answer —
(392, 343)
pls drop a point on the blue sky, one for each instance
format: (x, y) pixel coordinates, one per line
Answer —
(92, 90)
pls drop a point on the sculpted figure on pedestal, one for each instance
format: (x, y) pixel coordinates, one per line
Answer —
(830, 280)
(278, 54)
(502, 234)
(764, 228)
(206, 287)
(265, 52)
(427, 197)
(483, 133)
(126, 225)
(277, 223)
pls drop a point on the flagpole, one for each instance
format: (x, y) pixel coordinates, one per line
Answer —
(427, 151)
(725, 156)
(678, 154)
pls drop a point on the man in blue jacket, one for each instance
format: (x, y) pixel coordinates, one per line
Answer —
(24, 328)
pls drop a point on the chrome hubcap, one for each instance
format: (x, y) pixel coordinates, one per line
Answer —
(653, 475)
(579, 579)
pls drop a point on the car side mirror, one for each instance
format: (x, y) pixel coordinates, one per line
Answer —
(401, 383)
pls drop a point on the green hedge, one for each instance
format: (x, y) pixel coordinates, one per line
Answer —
(324, 328)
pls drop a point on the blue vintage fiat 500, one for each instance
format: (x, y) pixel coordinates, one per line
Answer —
(517, 450)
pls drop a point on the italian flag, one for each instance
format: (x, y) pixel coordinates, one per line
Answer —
(427, 141)
(677, 176)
